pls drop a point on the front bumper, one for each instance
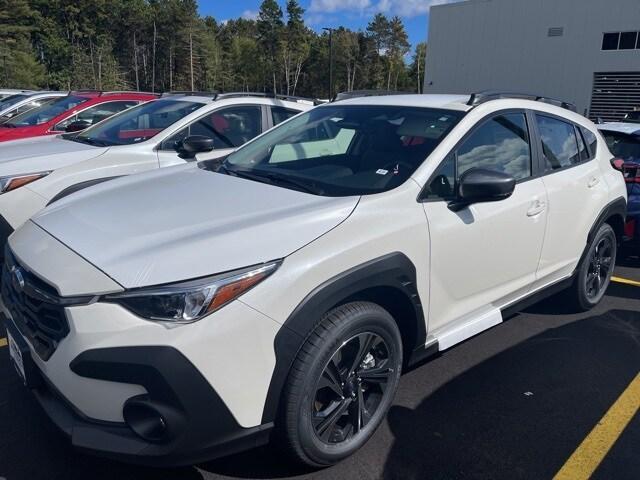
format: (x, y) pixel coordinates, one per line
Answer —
(207, 381)
(199, 426)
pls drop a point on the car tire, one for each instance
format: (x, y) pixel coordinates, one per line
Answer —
(322, 422)
(594, 272)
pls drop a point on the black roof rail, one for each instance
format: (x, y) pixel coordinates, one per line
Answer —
(366, 93)
(278, 96)
(190, 93)
(488, 95)
(119, 92)
(223, 95)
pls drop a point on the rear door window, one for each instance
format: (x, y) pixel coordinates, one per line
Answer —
(280, 114)
(559, 142)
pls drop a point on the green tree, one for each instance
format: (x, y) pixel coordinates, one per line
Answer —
(270, 26)
(295, 46)
(18, 60)
(398, 46)
(417, 68)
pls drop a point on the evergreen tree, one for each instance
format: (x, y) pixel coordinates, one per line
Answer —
(270, 26)
(163, 45)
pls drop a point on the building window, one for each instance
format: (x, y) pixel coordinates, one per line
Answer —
(610, 41)
(621, 41)
(628, 40)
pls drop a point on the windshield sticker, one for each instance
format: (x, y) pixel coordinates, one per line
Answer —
(382, 171)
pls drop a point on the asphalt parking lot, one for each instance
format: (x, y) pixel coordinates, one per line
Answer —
(543, 393)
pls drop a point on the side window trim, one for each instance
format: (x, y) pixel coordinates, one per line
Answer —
(592, 154)
(580, 138)
(267, 118)
(454, 151)
(161, 144)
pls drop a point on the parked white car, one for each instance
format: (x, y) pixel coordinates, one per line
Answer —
(190, 312)
(169, 131)
(7, 92)
(18, 103)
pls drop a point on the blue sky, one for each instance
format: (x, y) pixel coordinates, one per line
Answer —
(354, 14)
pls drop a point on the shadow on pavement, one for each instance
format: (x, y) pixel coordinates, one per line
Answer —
(516, 415)
(521, 413)
(621, 290)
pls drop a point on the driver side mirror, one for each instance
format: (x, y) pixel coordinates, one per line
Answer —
(189, 147)
(77, 126)
(479, 185)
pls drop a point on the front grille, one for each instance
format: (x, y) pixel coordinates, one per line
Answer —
(35, 307)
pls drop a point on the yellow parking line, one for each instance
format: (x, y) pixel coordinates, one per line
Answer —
(626, 281)
(3, 342)
(595, 447)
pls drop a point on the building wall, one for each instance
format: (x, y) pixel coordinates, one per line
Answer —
(503, 44)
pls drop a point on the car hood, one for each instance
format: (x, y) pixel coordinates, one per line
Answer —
(7, 134)
(43, 153)
(185, 222)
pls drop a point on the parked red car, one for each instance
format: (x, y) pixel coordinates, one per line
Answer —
(71, 113)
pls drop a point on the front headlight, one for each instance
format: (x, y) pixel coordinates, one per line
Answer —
(187, 302)
(11, 182)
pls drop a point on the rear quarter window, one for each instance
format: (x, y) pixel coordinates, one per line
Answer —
(591, 140)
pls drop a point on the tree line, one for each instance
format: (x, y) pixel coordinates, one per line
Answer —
(164, 45)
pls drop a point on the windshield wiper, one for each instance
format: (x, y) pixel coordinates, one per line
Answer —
(273, 179)
(89, 141)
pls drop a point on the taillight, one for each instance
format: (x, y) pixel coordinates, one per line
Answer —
(630, 228)
(631, 172)
(617, 163)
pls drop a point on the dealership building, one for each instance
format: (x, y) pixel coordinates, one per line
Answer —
(586, 52)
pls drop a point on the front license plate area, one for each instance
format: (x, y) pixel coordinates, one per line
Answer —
(21, 359)
(16, 357)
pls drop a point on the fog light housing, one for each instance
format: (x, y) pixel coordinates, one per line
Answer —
(146, 419)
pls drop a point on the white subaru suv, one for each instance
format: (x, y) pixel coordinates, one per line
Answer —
(180, 315)
(170, 131)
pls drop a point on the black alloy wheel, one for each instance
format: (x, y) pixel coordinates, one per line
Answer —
(600, 267)
(351, 387)
(341, 384)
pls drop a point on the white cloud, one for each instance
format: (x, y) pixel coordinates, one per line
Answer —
(331, 6)
(250, 14)
(403, 8)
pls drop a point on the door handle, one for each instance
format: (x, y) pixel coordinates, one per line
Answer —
(537, 207)
(593, 181)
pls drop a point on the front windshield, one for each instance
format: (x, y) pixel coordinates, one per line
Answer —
(11, 101)
(341, 150)
(137, 124)
(626, 147)
(46, 112)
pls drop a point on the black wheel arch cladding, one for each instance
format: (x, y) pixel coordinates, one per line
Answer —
(393, 275)
(615, 213)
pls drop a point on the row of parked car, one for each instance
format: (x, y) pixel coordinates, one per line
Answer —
(623, 139)
(273, 281)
